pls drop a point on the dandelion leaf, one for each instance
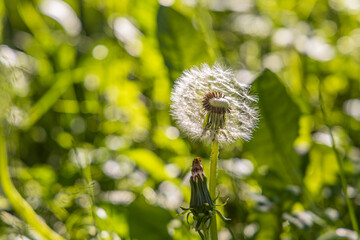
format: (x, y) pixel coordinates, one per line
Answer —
(273, 140)
(148, 222)
(181, 45)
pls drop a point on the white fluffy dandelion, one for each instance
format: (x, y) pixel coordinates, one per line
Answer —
(209, 103)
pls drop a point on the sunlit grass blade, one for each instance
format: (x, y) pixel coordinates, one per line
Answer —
(19, 204)
(340, 162)
(64, 80)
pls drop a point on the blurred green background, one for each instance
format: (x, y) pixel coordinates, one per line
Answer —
(84, 105)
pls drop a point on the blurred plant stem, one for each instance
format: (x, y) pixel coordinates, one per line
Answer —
(88, 182)
(19, 204)
(89, 186)
(212, 185)
(42, 106)
(340, 162)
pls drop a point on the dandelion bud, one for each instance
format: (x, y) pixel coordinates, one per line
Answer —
(201, 205)
(200, 196)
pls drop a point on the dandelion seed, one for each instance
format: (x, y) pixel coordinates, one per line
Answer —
(209, 103)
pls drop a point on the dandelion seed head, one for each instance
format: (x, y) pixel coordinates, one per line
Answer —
(209, 103)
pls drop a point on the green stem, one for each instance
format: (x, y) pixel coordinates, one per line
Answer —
(90, 190)
(212, 184)
(88, 183)
(204, 236)
(340, 162)
(19, 204)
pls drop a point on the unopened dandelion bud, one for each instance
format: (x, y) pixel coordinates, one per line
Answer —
(200, 196)
(202, 206)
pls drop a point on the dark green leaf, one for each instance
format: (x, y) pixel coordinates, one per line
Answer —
(272, 144)
(181, 45)
(148, 222)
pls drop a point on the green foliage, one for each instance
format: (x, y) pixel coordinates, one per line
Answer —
(273, 141)
(142, 224)
(92, 152)
(181, 45)
(150, 162)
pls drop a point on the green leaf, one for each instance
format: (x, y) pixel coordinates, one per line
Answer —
(115, 220)
(272, 143)
(181, 45)
(148, 222)
(269, 226)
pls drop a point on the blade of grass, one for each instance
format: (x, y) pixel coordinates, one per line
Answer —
(19, 204)
(63, 82)
(88, 182)
(340, 162)
(51, 96)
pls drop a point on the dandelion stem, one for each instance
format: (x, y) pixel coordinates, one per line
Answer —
(18, 202)
(206, 233)
(212, 184)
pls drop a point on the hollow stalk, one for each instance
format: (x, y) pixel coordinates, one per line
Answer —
(212, 185)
